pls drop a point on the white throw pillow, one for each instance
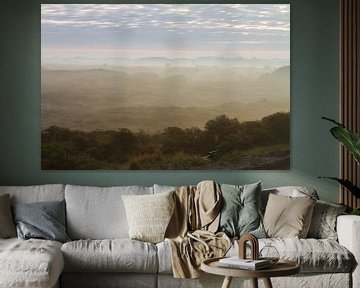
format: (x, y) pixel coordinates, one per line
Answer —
(149, 215)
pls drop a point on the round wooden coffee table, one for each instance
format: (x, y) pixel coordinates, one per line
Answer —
(281, 268)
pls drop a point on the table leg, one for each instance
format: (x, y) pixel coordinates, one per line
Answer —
(254, 282)
(267, 283)
(227, 282)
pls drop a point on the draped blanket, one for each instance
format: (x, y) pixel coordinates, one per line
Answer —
(191, 231)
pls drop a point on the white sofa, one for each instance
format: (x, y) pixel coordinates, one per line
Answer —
(101, 255)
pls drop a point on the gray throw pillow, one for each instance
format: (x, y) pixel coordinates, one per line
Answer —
(44, 220)
(240, 213)
(323, 222)
(7, 227)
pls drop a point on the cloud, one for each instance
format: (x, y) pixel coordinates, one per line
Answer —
(192, 16)
(123, 24)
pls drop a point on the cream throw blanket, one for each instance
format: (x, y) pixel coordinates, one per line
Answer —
(191, 231)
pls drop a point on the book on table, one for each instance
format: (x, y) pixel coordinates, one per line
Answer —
(236, 262)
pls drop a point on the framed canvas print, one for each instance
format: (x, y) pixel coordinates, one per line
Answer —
(165, 86)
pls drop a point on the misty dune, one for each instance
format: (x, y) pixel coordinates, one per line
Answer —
(150, 99)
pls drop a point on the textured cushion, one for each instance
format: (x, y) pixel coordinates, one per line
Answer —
(323, 222)
(240, 210)
(7, 227)
(149, 215)
(44, 220)
(98, 213)
(117, 255)
(287, 216)
(37, 193)
(31, 263)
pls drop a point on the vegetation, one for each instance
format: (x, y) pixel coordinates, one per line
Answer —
(224, 143)
(351, 142)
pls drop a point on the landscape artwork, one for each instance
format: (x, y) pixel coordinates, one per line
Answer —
(165, 86)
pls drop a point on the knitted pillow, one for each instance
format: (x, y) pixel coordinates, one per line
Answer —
(149, 215)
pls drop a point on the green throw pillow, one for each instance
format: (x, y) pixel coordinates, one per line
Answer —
(240, 213)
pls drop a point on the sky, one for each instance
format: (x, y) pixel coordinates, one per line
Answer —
(165, 30)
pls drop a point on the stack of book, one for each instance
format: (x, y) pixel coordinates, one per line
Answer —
(248, 264)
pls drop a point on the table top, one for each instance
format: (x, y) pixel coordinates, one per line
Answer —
(281, 268)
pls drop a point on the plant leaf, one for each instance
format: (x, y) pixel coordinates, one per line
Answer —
(349, 139)
(347, 184)
(333, 121)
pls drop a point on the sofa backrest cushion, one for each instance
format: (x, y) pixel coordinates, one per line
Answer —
(98, 212)
(37, 193)
(163, 188)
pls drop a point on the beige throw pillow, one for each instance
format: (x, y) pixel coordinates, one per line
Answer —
(288, 217)
(149, 215)
(7, 226)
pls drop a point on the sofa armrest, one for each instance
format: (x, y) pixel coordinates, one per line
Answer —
(348, 230)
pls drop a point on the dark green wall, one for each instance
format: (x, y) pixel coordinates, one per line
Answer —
(314, 93)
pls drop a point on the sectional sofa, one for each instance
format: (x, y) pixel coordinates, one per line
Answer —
(101, 254)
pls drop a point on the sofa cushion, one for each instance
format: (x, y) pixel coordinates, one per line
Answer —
(163, 188)
(149, 215)
(117, 255)
(43, 220)
(7, 226)
(323, 222)
(37, 193)
(98, 213)
(313, 255)
(240, 210)
(291, 191)
(287, 216)
(30, 263)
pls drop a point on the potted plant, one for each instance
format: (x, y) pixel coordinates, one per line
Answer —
(351, 141)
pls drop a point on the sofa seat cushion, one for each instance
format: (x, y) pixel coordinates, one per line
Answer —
(115, 255)
(30, 263)
(313, 255)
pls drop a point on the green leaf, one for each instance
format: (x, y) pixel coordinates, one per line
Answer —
(355, 211)
(349, 139)
(347, 184)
